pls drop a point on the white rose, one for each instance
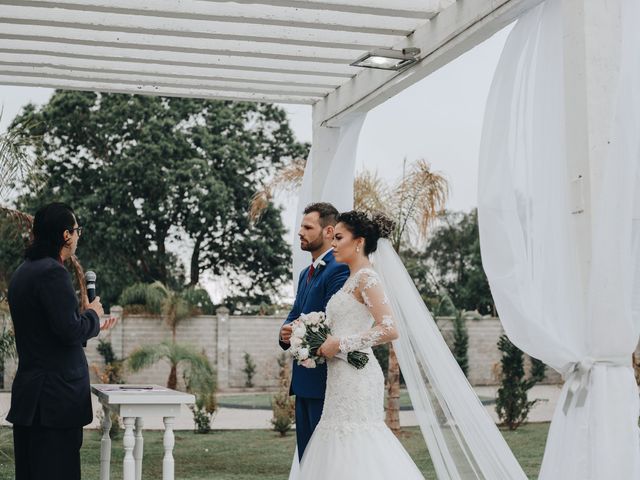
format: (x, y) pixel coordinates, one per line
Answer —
(295, 342)
(303, 353)
(309, 363)
(300, 331)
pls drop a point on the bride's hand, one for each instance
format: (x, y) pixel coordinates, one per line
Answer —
(330, 347)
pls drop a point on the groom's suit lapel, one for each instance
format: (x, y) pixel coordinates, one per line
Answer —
(307, 286)
(315, 278)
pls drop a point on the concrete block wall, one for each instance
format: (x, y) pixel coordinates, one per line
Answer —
(225, 339)
(257, 336)
(484, 356)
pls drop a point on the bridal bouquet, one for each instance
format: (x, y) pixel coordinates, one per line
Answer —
(308, 334)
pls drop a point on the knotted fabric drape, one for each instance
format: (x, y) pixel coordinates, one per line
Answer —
(580, 317)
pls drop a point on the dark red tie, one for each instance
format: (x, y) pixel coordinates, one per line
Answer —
(310, 274)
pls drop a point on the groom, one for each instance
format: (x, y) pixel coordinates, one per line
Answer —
(317, 284)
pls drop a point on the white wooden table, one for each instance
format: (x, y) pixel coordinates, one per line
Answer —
(133, 403)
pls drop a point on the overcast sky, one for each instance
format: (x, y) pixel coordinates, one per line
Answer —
(439, 119)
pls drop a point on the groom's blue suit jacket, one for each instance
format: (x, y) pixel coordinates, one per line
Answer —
(313, 297)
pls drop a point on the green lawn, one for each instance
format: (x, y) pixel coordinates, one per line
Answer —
(261, 454)
(262, 401)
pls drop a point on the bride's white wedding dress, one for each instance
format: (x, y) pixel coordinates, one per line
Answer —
(351, 440)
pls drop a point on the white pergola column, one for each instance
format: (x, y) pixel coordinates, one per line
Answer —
(591, 71)
(329, 173)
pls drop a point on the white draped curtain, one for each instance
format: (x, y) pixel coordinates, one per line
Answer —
(328, 176)
(561, 253)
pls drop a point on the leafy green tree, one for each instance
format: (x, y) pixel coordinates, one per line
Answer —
(143, 172)
(451, 260)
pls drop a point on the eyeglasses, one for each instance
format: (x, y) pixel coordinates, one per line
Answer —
(79, 229)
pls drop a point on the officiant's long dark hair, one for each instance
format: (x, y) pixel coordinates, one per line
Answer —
(49, 225)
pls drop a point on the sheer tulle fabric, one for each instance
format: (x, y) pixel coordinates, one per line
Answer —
(463, 441)
(529, 237)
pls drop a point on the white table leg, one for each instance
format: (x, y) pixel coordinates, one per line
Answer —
(169, 442)
(128, 441)
(105, 446)
(139, 448)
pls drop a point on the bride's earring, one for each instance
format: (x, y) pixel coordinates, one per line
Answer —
(358, 249)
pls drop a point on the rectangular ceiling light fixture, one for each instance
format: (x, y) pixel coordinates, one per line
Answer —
(388, 59)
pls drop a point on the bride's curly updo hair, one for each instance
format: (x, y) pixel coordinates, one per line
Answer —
(370, 227)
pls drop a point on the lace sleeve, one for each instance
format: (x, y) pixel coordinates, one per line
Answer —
(370, 290)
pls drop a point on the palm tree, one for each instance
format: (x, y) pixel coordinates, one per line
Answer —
(288, 179)
(199, 369)
(174, 307)
(413, 202)
(15, 166)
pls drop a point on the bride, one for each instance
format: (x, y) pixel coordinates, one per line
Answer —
(351, 440)
(379, 304)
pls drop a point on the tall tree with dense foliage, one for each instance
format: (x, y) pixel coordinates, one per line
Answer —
(143, 172)
(451, 261)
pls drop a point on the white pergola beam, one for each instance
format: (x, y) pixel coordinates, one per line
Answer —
(47, 33)
(136, 58)
(147, 45)
(447, 36)
(138, 79)
(167, 71)
(94, 86)
(201, 12)
(181, 30)
(403, 8)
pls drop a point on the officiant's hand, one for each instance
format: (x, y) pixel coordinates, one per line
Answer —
(108, 323)
(330, 348)
(96, 306)
(285, 333)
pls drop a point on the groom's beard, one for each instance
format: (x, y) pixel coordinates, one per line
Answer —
(311, 246)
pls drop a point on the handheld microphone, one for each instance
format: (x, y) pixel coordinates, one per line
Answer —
(90, 278)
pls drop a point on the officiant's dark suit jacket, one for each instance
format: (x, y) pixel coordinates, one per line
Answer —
(52, 382)
(313, 297)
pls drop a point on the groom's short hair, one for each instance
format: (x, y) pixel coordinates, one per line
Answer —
(327, 212)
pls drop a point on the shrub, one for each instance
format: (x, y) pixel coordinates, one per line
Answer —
(461, 342)
(512, 404)
(113, 366)
(381, 352)
(283, 404)
(202, 384)
(249, 370)
(112, 372)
